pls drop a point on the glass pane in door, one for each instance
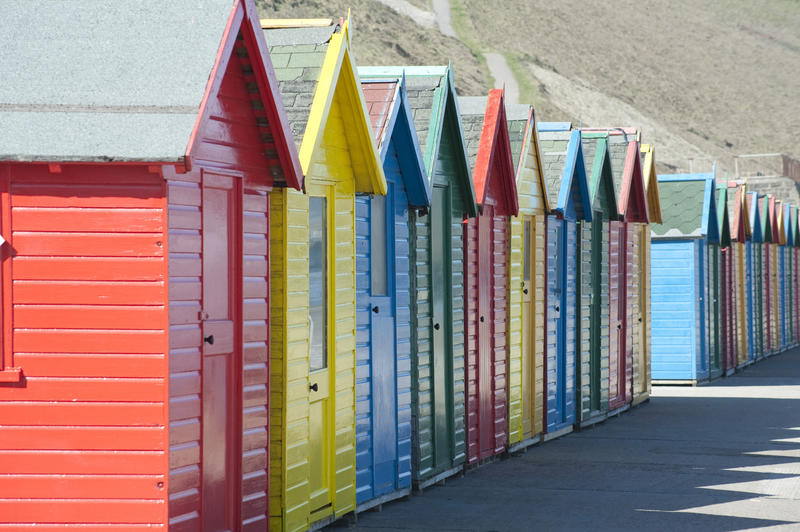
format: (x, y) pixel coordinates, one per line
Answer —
(318, 282)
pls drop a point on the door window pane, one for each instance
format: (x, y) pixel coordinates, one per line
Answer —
(560, 258)
(318, 282)
(526, 251)
(378, 246)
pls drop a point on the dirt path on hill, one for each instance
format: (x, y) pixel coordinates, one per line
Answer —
(503, 77)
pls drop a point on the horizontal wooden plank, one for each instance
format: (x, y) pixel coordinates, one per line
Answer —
(114, 527)
(82, 462)
(89, 268)
(74, 389)
(89, 317)
(184, 194)
(91, 365)
(89, 293)
(37, 413)
(82, 486)
(88, 244)
(89, 341)
(83, 510)
(184, 290)
(86, 195)
(184, 478)
(75, 438)
(107, 220)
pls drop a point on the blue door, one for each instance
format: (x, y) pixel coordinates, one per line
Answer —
(702, 362)
(561, 355)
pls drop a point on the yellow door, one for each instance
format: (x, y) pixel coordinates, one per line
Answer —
(528, 383)
(319, 348)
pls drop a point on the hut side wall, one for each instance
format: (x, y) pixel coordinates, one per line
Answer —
(84, 437)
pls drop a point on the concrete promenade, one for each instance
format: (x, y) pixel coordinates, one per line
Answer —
(721, 456)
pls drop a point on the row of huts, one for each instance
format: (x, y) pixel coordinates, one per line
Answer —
(725, 278)
(250, 285)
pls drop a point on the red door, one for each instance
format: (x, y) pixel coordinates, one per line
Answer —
(221, 352)
(617, 313)
(485, 384)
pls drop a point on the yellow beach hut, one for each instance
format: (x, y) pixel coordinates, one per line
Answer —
(526, 283)
(641, 379)
(313, 347)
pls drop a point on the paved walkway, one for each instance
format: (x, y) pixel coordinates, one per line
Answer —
(724, 456)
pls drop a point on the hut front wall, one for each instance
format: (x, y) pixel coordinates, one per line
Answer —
(383, 383)
(741, 282)
(641, 376)
(526, 320)
(675, 310)
(439, 438)
(84, 436)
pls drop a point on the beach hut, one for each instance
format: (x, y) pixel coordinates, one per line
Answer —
(383, 315)
(755, 284)
(526, 285)
(627, 358)
(780, 293)
(795, 263)
(768, 267)
(312, 416)
(437, 278)
(486, 274)
(570, 201)
(726, 302)
(594, 333)
(740, 234)
(642, 384)
(134, 375)
(679, 277)
(787, 278)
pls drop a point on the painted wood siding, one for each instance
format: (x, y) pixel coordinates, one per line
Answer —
(84, 439)
(642, 377)
(632, 309)
(701, 324)
(472, 309)
(674, 310)
(515, 366)
(584, 329)
(741, 280)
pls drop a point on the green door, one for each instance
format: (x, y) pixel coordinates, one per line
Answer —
(441, 274)
(597, 260)
(716, 295)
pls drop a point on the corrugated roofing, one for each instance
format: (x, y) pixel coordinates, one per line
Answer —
(297, 56)
(681, 209)
(105, 81)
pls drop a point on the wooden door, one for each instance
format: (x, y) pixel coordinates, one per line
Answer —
(555, 352)
(484, 377)
(221, 362)
(320, 417)
(441, 277)
(528, 327)
(598, 224)
(617, 312)
(382, 344)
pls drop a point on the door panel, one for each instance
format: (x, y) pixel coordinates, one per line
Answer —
(221, 358)
(485, 318)
(319, 347)
(382, 345)
(528, 327)
(440, 279)
(617, 309)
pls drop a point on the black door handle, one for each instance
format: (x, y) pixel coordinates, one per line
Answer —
(640, 320)
(482, 319)
(524, 290)
(209, 339)
(619, 326)
(313, 387)
(558, 309)
(375, 309)
(436, 326)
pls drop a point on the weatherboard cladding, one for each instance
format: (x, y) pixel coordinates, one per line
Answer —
(681, 208)
(168, 51)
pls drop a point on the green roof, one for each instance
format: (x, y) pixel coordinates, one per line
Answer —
(681, 209)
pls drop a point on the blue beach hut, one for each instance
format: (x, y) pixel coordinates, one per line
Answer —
(383, 315)
(680, 294)
(570, 201)
(753, 256)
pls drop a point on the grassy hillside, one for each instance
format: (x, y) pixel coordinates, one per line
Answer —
(381, 36)
(704, 79)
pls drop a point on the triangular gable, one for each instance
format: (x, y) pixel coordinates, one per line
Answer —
(529, 144)
(280, 150)
(564, 170)
(787, 225)
(796, 226)
(601, 178)
(754, 214)
(740, 222)
(336, 84)
(723, 216)
(650, 179)
(766, 218)
(632, 191)
(434, 119)
(392, 123)
(773, 217)
(710, 221)
(779, 212)
(493, 173)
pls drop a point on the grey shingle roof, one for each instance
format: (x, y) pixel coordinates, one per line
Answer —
(681, 209)
(473, 110)
(420, 90)
(617, 149)
(105, 81)
(517, 120)
(297, 55)
(553, 146)
(589, 147)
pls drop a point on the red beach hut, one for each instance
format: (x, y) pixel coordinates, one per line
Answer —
(138, 152)
(486, 273)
